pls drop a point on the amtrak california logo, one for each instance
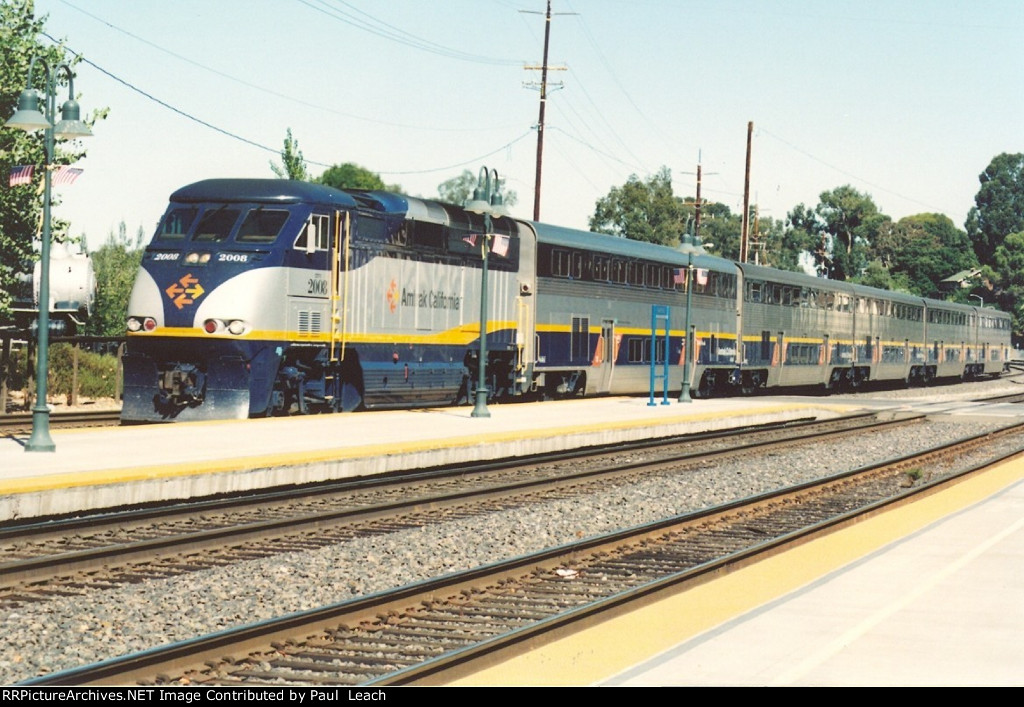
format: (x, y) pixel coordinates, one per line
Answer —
(392, 296)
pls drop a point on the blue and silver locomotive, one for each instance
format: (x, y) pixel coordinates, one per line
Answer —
(274, 297)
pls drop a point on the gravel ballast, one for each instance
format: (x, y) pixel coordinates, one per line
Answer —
(73, 630)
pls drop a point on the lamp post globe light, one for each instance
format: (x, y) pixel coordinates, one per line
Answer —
(487, 200)
(690, 246)
(28, 117)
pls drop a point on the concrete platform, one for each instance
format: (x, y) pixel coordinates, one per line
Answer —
(931, 594)
(100, 468)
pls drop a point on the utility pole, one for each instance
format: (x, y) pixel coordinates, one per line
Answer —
(543, 102)
(699, 203)
(696, 208)
(744, 244)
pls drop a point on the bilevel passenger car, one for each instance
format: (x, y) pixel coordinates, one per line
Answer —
(272, 297)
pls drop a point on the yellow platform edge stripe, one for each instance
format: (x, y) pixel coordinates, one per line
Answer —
(608, 649)
(112, 476)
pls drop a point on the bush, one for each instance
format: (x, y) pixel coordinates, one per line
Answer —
(97, 373)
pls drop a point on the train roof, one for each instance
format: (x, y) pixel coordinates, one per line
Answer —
(787, 277)
(280, 191)
(625, 247)
(790, 277)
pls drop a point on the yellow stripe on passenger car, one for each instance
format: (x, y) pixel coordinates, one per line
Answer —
(456, 336)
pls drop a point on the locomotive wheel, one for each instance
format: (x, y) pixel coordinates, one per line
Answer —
(855, 380)
(708, 383)
(750, 383)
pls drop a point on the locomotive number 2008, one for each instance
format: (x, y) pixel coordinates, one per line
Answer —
(317, 286)
(232, 257)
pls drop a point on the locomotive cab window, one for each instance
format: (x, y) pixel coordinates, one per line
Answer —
(261, 225)
(215, 224)
(315, 235)
(175, 224)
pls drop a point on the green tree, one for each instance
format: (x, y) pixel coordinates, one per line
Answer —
(351, 176)
(803, 238)
(293, 164)
(21, 206)
(115, 264)
(1006, 279)
(837, 233)
(458, 190)
(876, 274)
(719, 227)
(777, 246)
(998, 206)
(919, 251)
(850, 221)
(642, 210)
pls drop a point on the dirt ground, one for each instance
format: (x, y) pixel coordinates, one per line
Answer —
(61, 403)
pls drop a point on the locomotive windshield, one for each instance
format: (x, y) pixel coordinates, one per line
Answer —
(215, 225)
(176, 223)
(260, 225)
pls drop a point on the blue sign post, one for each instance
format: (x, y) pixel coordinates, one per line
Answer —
(659, 313)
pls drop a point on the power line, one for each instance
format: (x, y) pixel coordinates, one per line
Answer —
(848, 174)
(168, 106)
(474, 160)
(394, 34)
(249, 84)
(253, 143)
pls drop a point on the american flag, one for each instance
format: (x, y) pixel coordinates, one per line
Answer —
(66, 175)
(471, 239)
(679, 276)
(21, 174)
(500, 245)
(702, 277)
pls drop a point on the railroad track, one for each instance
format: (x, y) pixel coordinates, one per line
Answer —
(40, 560)
(21, 422)
(432, 632)
(1009, 398)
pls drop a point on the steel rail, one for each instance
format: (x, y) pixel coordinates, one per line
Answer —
(43, 567)
(194, 653)
(162, 510)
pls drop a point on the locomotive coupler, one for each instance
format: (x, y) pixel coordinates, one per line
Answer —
(182, 385)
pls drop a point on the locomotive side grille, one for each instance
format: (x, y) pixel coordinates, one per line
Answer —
(310, 322)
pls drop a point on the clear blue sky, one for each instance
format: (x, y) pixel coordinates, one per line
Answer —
(907, 100)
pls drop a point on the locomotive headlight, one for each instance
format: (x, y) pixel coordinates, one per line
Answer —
(192, 258)
(236, 327)
(204, 258)
(137, 324)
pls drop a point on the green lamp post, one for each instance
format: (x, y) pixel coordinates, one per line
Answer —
(29, 118)
(487, 200)
(690, 246)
